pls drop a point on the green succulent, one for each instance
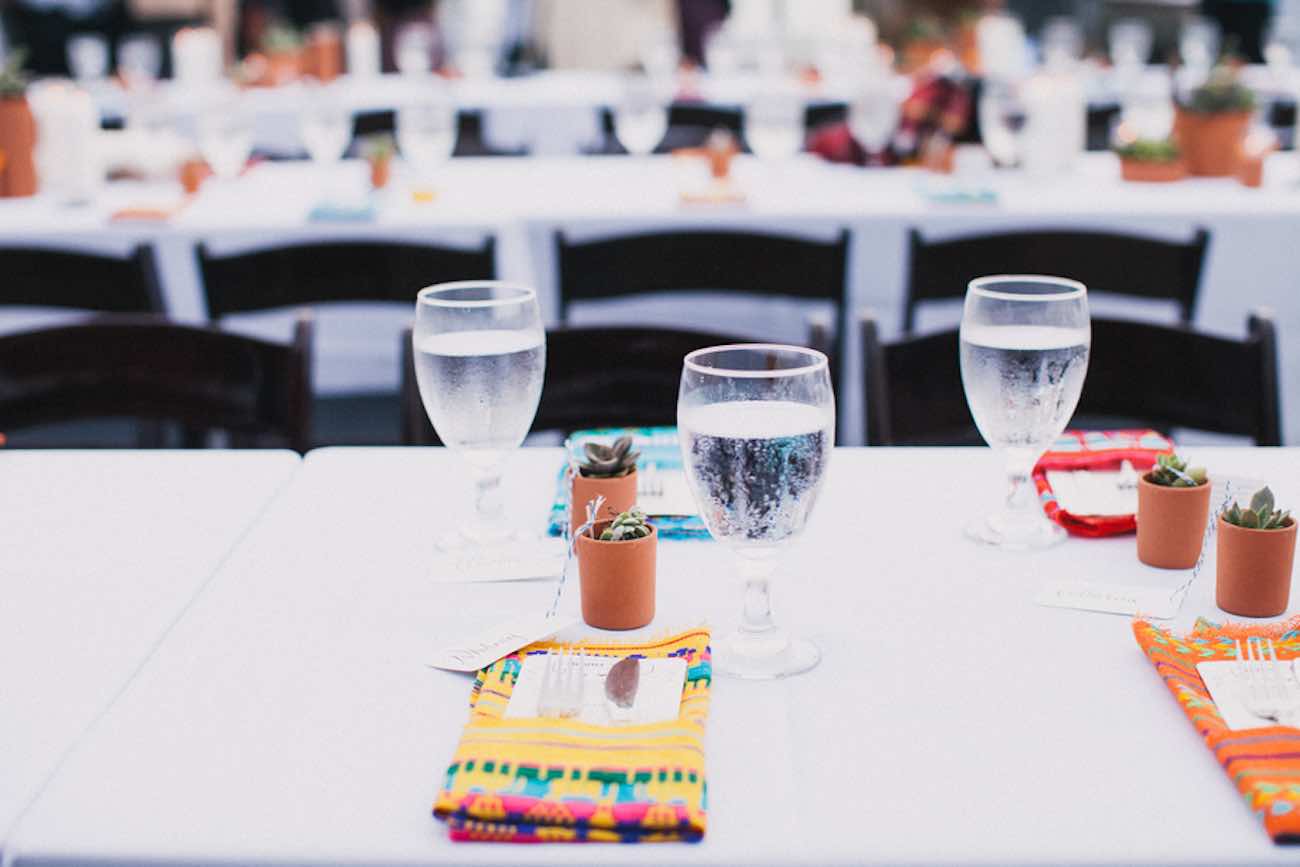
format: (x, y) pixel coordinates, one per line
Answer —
(1260, 515)
(1173, 472)
(627, 526)
(13, 80)
(609, 462)
(280, 37)
(379, 146)
(1148, 150)
(1222, 93)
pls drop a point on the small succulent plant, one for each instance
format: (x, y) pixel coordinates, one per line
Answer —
(1221, 93)
(609, 462)
(627, 526)
(13, 81)
(379, 146)
(280, 37)
(1260, 515)
(1147, 150)
(1173, 472)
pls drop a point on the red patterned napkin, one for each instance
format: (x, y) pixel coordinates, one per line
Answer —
(1101, 451)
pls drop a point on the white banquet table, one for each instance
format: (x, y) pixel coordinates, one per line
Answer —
(102, 553)
(289, 718)
(524, 202)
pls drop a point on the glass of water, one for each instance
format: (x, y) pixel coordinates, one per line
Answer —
(874, 115)
(325, 125)
(774, 125)
(641, 117)
(225, 136)
(426, 134)
(1024, 356)
(1002, 115)
(757, 425)
(480, 355)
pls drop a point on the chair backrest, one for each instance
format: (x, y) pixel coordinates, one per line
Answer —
(1157, 375)
(470, 141)
(689, 125)
(40, 277)
(1104, 261)
(149, 369)
(595, 377)
(317, 273)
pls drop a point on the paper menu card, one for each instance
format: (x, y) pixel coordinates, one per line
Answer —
(658, 696)
(1092, 492)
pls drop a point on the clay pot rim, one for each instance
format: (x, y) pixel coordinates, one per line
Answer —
(1143, 480)
(601, 525)
(1191, 112)
(1250, 531)
(579, 475)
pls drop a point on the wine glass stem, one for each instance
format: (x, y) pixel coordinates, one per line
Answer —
(756, 617)
(488, 503)
(1021, 496)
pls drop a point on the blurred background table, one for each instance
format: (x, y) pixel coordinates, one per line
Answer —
(289, 718)
(103, 553)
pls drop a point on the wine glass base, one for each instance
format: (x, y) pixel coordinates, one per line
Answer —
(1015, 532)
(763, 657)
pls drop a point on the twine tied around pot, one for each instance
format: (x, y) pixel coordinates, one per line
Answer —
(593, 509)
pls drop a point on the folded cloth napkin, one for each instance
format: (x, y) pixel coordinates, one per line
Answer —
(1101, 451)
(657, 445)
(560, 780)
(1263, 763)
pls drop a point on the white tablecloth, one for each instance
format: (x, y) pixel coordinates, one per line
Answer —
(289, 717)
(525, 201)
(102, 553)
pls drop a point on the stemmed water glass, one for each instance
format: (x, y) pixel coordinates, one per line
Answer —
(757, 425)
(640, 118)
(774, 123)
(873, 116)
(426, 134)
(480, 355)
(1024, 357)
(326, 126)
(225, 136)
(1002, 115)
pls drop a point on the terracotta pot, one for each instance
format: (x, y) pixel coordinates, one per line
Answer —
(193, 173)
(619, 494)
(1171, 524)
(322, 56)
(18, 142)
(1211, 143)
(282, 67)
(381, 169)
(1144, 171)
(1251, 171)
(918, 52)
(618, 580)
(1253, 572)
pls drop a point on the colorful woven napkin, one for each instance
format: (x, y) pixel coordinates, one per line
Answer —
(1263, 763)
(657, 445)
(555, 780)
(1100, 451)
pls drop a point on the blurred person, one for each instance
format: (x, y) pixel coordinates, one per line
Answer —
(695, 20)
(609, 34)
(1244, 24)
(43, 28)
(392, 16)
(162, 18)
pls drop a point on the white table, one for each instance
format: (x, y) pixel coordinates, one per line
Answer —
(102, 553)
(523, 202)
(289, 719)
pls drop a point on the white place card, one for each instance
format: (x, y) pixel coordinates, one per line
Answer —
(676, 499)
(1224, 679)
(511, 562)
(1154, 602)
(481, 650)
(658, 695)
(1092, 492)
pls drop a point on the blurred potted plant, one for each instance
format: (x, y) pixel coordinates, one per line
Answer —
(378, 151)
(1151, 161)
(282, 46)
(609, 472)
(322, 54)
(616, 568)
(1210, 126)
(925, 37)
(193, 172)
(17, 130)
(1256, 554)
(1173, 509)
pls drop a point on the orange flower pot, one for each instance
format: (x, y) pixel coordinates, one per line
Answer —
(1146, 172)
(193, 173)
(18, 142)
(322, 55)
(1253, 569)
(1171, 524)
(618, 580)
(1251, 171)
(619, 494)
(1211, 143)
(381, 169)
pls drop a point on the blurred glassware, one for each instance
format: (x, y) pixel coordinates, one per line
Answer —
(1003, 48)
(1055, 131)
(88, 57)
(661, 55)
(1130, 43)
(1147, 108)
(721, 52)
(363, 49)
(413, 48)
(874, 116)
(325, 124)
(426, 133)
(774, 124)
(1002, 115)
(1198, 44)
(196, 56)
(475, 33)
(225, 135)
(1061, 42)
(641, 116)
(139, 60)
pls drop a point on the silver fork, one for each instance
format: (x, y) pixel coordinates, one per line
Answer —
(1268, 694)
(561, 692)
